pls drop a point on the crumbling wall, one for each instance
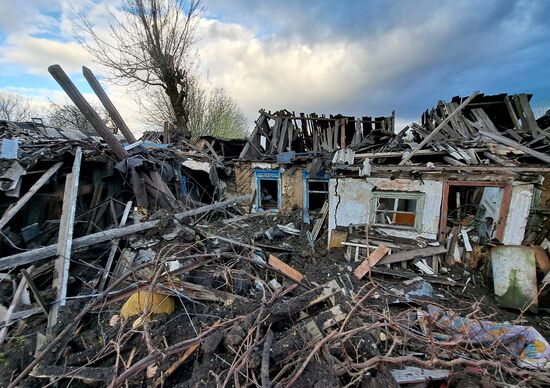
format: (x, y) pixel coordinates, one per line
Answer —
(350, 203)
(518, 213)
(293, 188)
(244, 178)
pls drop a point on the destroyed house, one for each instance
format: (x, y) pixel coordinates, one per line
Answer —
(195, 172)
(473, 166)
(132, 262)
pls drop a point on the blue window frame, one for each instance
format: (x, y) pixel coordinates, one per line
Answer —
(321, 182)
(268, 185)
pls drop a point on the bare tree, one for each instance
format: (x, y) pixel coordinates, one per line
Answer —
(68, 116)
(155, 107)
(149, 44)
(14, 107)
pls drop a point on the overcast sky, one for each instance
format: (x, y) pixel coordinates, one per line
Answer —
(349, 57)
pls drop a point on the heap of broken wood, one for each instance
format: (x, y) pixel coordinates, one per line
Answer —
(480, 130)
(284, 131)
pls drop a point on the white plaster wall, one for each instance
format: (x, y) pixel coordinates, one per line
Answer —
(349, 203)
(518, 213)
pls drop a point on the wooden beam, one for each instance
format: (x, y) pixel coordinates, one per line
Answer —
(36, 293)
(409, 255)
(106, 235)
(86, 109)
(488, 168)
(371, 261)
(514, 144)
(108, 105)
(438, 128)
(65, 239)
(7, 216)
(292, 273)
(214, 206)
(399, 154)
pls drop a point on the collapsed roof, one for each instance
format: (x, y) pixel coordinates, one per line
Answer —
(498, 130)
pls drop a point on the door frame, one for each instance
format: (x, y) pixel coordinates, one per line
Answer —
(504, 207)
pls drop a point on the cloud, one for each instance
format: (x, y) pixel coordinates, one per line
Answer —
(357, 57)
(373, 57)
(36, 54)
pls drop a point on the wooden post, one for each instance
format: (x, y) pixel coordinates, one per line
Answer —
(65, 239)
(438, 128)
(109, 106)
(85, 108)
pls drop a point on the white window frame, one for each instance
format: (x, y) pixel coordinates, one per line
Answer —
(419, 197)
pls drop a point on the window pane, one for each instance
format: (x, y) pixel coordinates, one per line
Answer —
(406, 205)
(404, 219)
(386, 203)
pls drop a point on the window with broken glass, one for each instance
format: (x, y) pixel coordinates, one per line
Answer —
(397, 208)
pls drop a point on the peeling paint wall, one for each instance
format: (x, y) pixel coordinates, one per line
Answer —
(518, 213)
(350, 202)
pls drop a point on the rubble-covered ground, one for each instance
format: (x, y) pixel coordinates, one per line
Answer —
(238, 321)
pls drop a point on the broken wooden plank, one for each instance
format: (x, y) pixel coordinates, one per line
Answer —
(512, 113)
(87, 374)
(190, 350)
(285, 268)
(11, 309)
(528, 116)
(499, 160)
(36, 293)
(509, 142)
(371, 261)
(8, 215)
(409, 255)
(247, 216)
(320, 221)
(438, 128)
(65, 239)
(214, 206)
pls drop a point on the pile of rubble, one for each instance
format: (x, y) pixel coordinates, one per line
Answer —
(324, 250)
(219, 304)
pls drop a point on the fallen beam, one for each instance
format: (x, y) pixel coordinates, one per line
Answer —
(214, 206)
(91, 115)
(409, 255)
(25, 198)
(438, 128)
(108, 105)
(107, 235)
(514, 144)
